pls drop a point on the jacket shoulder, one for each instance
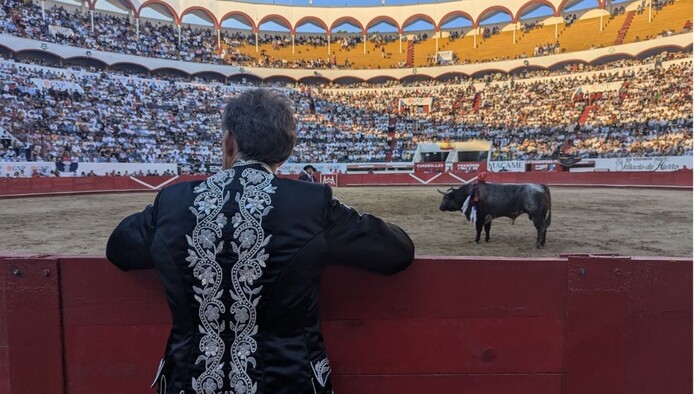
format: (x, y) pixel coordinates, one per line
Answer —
(176, 191)
(299, 185)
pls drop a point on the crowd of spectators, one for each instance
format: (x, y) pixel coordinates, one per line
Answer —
(117, 33)
(121, 119)
(536, 118)
(546, 49)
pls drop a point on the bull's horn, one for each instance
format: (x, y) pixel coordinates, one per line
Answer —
(441, 192)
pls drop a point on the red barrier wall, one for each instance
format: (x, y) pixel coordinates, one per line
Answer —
(41, 186)
(578, 324)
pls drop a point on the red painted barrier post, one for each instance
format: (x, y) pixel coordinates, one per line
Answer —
(31, 322)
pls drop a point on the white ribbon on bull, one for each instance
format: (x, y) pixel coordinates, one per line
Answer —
(472, 216)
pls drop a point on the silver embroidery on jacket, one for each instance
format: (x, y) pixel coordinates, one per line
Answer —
(249, 241)
(163, 387)
(322, 369)
(204, 244)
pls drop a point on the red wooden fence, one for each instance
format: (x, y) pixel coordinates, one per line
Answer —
(576, 324)
(42, 186)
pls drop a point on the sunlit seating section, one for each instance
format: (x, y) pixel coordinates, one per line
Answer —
(355, 54)
(671, 17)
(585, 34)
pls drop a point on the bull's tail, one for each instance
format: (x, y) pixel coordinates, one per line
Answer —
(548, 219)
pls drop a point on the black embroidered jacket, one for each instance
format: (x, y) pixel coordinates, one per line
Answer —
(240, 255)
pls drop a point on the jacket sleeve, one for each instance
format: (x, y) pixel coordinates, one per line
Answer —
(129, 246)
(364, 240)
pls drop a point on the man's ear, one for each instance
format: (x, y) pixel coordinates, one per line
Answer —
(230, 150)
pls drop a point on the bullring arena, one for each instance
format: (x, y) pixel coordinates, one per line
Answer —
(632, 222)
(105, 102)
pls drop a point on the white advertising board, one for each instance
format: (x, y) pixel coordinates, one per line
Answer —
(654, 164)
(25, 168)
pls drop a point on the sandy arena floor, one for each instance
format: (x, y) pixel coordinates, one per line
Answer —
(637, 222)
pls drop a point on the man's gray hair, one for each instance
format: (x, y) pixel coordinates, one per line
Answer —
(263, 125)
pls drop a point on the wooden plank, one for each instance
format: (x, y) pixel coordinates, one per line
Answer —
(662, 287)
(4, 349)
(95, 292)
(116, 326)
(5, 384)
(436, 346)
(421, 384)
(33, 325)
(659, 356)
(597, 324)
(114, 358)
(443, 288)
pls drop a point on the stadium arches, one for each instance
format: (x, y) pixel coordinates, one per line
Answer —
(238, 78)
(381, 79)
(451, 75)
(169, 72)
(211, 76)
(491, 11)
(533, 5)
(158, 6)
(279, 79)
(240, 17)
(311, 20)
(385, 19)
(348, 20)
(202, 13)
(416, 18)
(487, 71)
(657, 50)
(450, 16)
(130, 67)
(278, 19)
(347, 80)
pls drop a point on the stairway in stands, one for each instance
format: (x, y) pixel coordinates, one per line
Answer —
(392, 145)
(410, 54)
(392, 139)
(584, 115)
(477, 103)
(625, 26)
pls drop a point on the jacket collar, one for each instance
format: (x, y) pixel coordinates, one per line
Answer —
(242, 163)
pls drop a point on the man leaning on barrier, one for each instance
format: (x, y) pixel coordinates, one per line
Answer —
(241, 255)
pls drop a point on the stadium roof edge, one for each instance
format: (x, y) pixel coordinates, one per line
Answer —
(291, 16)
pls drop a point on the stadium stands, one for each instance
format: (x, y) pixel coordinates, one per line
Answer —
(627, 108)
(116, 33)
(122, 119)
(667, 20)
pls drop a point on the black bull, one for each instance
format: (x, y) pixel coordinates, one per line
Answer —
(503, 200)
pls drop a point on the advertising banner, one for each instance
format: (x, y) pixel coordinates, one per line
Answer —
(64, 86)
(471, 166)
(419, 101)
(655, 164)
(430, 167)
(64, 31)
(329, 179)
(24, 169)
(46, 168)
(444, 56)
(323, 168)
(125, 81)
(507, 166)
